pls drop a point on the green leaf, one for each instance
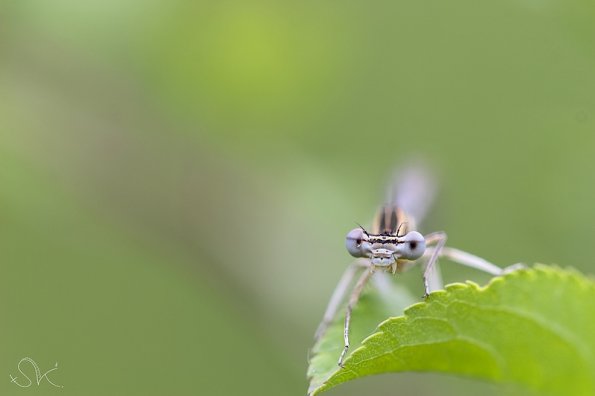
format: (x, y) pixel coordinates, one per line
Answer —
(534, 328)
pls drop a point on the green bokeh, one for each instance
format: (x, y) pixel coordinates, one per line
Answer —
(177, 178)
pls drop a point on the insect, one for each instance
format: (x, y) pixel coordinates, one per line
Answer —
(393, 245)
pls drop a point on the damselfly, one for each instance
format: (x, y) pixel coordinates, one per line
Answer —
(393, 245)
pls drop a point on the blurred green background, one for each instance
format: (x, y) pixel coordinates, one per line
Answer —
(177, 178)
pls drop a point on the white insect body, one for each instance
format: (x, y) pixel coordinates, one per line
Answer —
(394, 245)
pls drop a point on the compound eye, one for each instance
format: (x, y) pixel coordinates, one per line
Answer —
(412, 246)
(356, 242)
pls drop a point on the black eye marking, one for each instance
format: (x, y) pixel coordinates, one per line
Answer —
(413, 245)
(358, 241)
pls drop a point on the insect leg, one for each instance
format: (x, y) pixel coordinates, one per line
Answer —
(472, 261)
(338, 295)
(355, 294)
(439, 239)
(434, 277)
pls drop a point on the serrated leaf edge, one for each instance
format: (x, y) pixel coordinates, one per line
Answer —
(553, 270)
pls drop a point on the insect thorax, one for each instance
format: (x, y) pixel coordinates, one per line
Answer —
(391, 220)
